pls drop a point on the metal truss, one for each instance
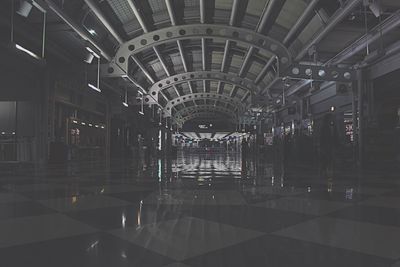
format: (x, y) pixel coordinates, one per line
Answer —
(228, 78)
(204, 96)
(206, 115)
(202, 31)
(203, 108)
(320, 73)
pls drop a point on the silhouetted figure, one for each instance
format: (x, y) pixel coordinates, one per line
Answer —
(327, 142)
(245, 147)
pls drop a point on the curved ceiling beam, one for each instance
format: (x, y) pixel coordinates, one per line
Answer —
(167, 111)
(198, 31)
(203, 108)
(207, 115)
(204, 96)
(203, 75)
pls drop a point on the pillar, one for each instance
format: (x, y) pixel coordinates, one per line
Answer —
(360, 93)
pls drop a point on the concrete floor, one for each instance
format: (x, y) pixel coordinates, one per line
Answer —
(202, 210)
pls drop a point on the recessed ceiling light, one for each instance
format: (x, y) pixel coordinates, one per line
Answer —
(92, 32)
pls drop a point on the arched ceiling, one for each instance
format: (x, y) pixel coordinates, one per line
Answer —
(179, 49)
(191, 50)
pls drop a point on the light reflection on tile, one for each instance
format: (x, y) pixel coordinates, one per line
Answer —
(185, 238)
(231, 215)
(195, 197)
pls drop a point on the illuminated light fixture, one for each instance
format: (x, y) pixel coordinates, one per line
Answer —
(125, 102)
(92, 52)
(13, 133)
(333, 108)
(97, 126)
(74, 121)
(27, 51)
(141, 111)
(102, 127)
(94, 87)
(24, 9)
(90, 124)
(89, 58)
(92, 32)
(83, 123)
(3, 132)
(123, 220)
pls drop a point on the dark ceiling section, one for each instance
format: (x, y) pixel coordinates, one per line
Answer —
(302, 26)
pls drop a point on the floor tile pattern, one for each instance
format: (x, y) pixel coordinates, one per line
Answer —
(202, 210)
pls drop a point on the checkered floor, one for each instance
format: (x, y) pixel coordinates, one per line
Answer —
(205, 210)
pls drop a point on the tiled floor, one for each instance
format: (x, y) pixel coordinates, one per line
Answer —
(204, 210)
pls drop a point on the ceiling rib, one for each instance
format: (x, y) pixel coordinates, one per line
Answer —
(194, 31)
(389, 24)
(232, 21)
(171, 14)
(289, 36)
(97, 12)
(262, 23)
(200, 75)
(81, 32)
(142, 23)
(197, 96)
(301, 21)
(336, 18)
(142, 68)
(203, 41)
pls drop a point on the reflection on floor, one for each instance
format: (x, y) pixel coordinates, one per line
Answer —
(200, 210)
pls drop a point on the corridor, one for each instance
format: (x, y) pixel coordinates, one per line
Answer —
(200, 133)
(200, 210)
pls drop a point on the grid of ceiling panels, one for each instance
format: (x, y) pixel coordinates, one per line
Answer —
(122, 9)
(188, 11)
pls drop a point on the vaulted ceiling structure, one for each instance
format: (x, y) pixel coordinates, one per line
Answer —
(199, 58)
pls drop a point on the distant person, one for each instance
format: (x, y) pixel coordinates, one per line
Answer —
(245, 147)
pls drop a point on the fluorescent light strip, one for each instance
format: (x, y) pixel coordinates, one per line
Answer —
(91, 51)
(125, 104)
(94, 87)
(27, 51)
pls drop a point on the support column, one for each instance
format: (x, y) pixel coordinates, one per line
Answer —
(360, 93)
(108, 133)
(355, 122)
